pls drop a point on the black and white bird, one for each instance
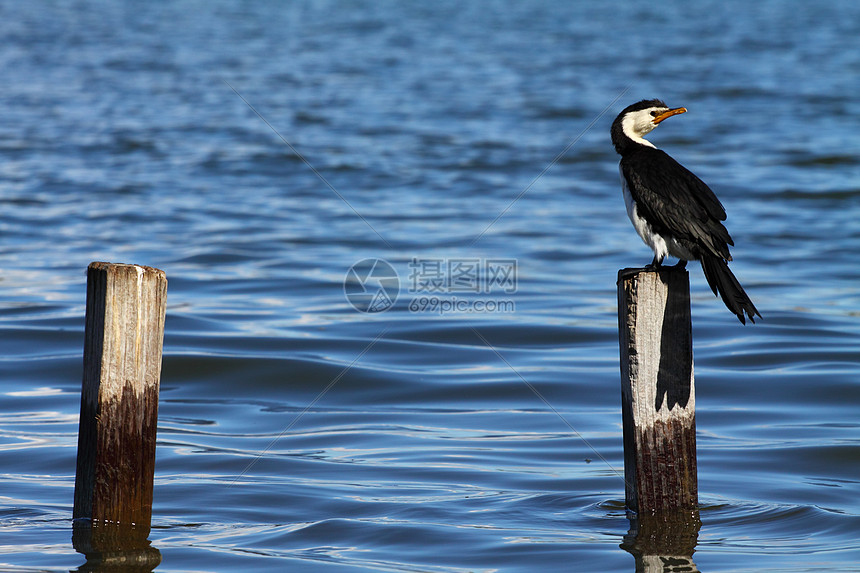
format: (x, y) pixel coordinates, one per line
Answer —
(673, 211)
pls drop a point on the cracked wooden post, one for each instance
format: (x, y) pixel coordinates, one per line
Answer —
(657, 390)
(119, 396)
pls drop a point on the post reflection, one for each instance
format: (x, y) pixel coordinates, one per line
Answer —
(112, 547)
(664, 543)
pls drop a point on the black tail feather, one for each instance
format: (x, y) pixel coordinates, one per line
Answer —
(724, 283)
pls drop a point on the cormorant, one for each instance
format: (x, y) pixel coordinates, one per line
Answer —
(673, 211)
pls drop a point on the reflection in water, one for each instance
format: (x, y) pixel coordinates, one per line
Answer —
(663, 543)
(110, 547)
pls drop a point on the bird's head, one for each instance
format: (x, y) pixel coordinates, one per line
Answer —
(637, 120)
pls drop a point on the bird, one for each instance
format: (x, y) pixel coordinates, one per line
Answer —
(673, 211)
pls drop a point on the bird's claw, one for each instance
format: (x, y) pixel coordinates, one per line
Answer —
(654, 265)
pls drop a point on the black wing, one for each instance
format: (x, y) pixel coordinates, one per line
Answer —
(675, 201)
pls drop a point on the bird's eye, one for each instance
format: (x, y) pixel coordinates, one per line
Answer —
(654, 113)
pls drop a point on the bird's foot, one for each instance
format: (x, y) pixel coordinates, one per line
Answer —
(654, 265)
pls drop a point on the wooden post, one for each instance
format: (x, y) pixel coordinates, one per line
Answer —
(119, 396)
(658, 396)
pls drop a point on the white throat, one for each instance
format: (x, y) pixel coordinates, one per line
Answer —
(635, 126)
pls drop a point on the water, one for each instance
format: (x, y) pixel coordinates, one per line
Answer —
(298, 433)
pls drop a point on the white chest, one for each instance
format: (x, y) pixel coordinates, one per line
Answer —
(649, 237)
(662, 246)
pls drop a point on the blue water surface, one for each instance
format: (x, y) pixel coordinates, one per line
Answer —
(257, 151)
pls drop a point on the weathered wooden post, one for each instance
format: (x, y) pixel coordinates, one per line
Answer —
(658, 397)
(119, 396)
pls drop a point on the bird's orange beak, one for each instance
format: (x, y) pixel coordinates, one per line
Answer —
(668, 114)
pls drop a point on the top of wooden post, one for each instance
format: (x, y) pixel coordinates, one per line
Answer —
(113, 267)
